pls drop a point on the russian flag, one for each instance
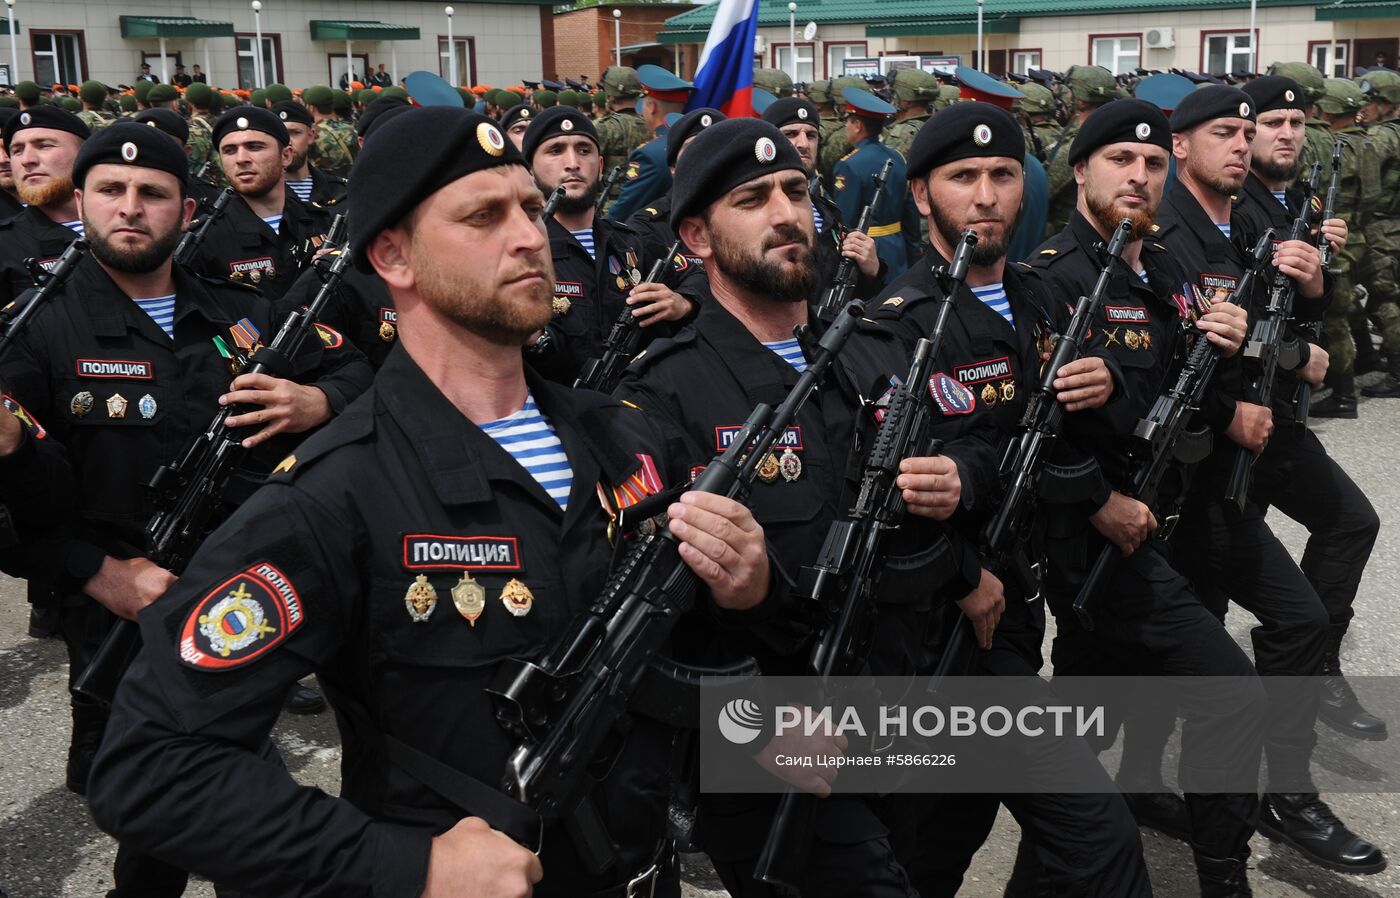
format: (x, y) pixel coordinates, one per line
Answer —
(724, 78)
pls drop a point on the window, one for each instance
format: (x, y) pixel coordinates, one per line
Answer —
(465, 48)
(806, 65)
(58, 57)
(1119, 53)
(1024, 60)
(1225, 52)
(271, 59)
(1324, 53)
(152, 59)
(837, 54)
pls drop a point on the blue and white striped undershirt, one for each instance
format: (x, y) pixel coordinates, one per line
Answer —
(585, 239)
(1142, 275)
(162, 312)
(1281, 197)
(994, 297)
(817, 218)
(274, 222)
(75, 226)
(302, 188)
(530, 439)
(790, 351)
(1224, 229)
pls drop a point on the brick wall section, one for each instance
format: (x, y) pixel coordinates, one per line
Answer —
(583, 38)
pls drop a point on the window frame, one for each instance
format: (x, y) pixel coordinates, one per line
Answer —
(35, 53)
(1346, 59)
(831, 72)
(470, 41)
(276, 38)
(1039, 52)
(1117, 35)
(775, 46)
(1206, 35)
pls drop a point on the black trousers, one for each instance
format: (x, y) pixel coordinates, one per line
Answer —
(1234, 556)
(1148, 621)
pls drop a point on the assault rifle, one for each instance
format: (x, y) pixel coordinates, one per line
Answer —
(198, 231)
(603, 373)
(608, 184)
(1303, 397)
(15, 316)
(190, 491)
(844, 283)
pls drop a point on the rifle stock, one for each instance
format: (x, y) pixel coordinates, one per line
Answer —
(603, 373)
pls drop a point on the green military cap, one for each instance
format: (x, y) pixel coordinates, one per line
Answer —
(468, 98)
(365, 95)
(775, 81)
(1306, 75)
(1381, 83)
(1092, 83)
(388, 92)
(128, 102)
(277, 93)
(838, 86)
(28, 91)
(568, 98)
(199, 94)
(218, 100)
(1341, 96)
(341, 101)
(546, 98)
(143, 90)
(505, 99)
(72, 104)
(948, 94)
(597, 98)
(9, 103)
(620, 82)
(914, 84)
(258, 97)
(162, 93)
(819, 92)
(316, 95)
(1038, 98)
(93, 92)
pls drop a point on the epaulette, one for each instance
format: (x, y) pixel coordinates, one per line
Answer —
(894, 306)
(847, 156)
(660, 349)
(1155, 246)
(223, 282)
(351, 425)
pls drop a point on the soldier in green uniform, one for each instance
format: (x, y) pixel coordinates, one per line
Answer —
(162, 96)
(1036, 114)
(833, 137)
(94, 95)
(914, 93)
(1090, 86)
(1340, 106)
(620, 130)
(201, 142)
(1382, 270)
(332, 152)
(775, 81)
(829, 123)
(1318, 140)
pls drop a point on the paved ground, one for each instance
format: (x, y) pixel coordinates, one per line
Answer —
(49, 847)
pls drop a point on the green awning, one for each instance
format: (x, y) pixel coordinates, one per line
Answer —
(1366, 9)
(173, 26)
(936, 27)
(327, 30)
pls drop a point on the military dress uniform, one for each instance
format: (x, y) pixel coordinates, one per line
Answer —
(242, 248)
(29, 235)
(646, 178)
(853, 187)
(404, 595)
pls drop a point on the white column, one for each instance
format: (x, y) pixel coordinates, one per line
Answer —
(164, 66)
(792, 41)
(14, 57)
(257, 46)
(349, 65)
(451, 50)
(981, 50)
(208, 69)
(394, 61)
(617, 36)
(1253, 38)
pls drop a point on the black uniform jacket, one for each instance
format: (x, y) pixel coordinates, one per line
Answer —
(590, 294)
(240, 246)
(361, 309)
(401, 489)
(29, 235)
(123, 398)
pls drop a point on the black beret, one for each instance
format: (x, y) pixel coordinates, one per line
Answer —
(686, 127)
(291, 111)
(517, 113)
(965, 131)
(445, 144)
(722, 157)
(50, 117)
(792, 110)
(1273, 92)
(1206, 103)
(375, 110)
(7, 113)
(250, 118)
(554, 121)
(1121, 121)
(132, 143)
(167, 120)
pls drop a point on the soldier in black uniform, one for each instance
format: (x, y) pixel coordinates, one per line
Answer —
(798, 120)
(598, 264)
(740, 202)
(42, 143)
(267, 235)
(351, 582)
(1232, 554)
(311, 185)
(125, 366)
(1147, 618)
(655, 219)
(10, 203)
(1295, 474)
(966, 172)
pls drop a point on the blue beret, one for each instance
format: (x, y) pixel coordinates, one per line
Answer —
(1164, 91)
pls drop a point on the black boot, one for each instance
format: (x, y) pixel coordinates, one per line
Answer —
(1223, 877)
(303, 700)
(1163, 811)
(1342, 402)
(1305, 822)
(1387, 387)
(89, 722)
(1340, 708)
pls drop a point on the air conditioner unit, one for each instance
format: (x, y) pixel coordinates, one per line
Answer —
(1159, 38)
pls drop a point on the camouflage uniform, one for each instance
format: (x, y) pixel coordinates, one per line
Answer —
(331, 151)
(1382, 271)
(201, 146)
(1040, 135)
(620, 132)
(834, 144)
(96, 120)
(1090, 84)
(775, 81)
(94, 94)
(910, 86)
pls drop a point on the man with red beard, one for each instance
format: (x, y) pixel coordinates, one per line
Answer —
(41, 143)
(267, 235)
(10, 203)
(477, 539)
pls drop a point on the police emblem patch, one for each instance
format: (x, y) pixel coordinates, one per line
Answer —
(129, 151)
(469, 597)
(764, 150)
(1143, 130)
(146, 405)
(951, 397)
(24, 416)
(490, 139)
(517, 598)
(982, 135)
(241, 619)
(421, 599)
